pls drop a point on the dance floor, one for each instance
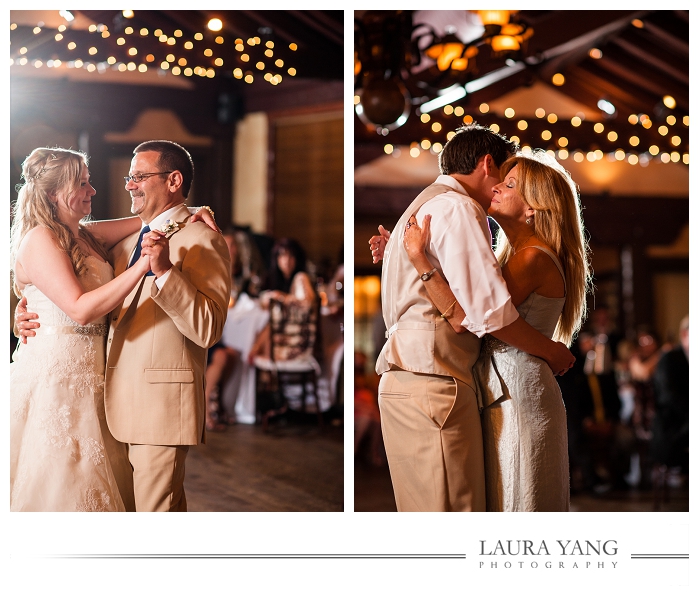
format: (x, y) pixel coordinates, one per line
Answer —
(373, 493)
(295, 467)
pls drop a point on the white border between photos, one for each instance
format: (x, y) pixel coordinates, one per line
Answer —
(35, 546)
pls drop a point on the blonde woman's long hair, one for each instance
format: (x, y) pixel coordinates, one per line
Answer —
(47, 171)
(546, 187)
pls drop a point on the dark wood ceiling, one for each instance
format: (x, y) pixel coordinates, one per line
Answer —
(645, 56)
(317, 34)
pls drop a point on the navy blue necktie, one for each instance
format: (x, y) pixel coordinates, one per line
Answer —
(137, 252)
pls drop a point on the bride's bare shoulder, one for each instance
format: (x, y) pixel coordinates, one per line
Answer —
(39, 235)
(39, 239)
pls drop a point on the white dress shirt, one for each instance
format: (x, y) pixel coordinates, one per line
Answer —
(460, 241)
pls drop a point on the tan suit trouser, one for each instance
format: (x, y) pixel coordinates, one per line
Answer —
(432, 434)
(158, 477)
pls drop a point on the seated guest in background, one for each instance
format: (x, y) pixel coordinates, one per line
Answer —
(288, 280)
(249, 269)
(290, 285)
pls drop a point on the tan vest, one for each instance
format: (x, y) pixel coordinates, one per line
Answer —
(419, 340)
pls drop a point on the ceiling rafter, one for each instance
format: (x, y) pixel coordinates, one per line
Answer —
(658, 59)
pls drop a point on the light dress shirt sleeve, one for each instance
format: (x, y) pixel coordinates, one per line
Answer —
(460, 242)
(160, 282)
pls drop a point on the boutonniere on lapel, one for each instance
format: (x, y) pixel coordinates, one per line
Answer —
(169, 228)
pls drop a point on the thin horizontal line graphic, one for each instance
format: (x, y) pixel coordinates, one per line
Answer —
(263, 556)
(660, 556)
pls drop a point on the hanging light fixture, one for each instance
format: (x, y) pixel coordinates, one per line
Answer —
(449, 52)
(389, 67)
(497, 18)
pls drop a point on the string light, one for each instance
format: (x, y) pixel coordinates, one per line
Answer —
(562, 151)
(267, 47)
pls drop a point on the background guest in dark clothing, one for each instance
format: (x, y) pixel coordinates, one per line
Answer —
(669, 445)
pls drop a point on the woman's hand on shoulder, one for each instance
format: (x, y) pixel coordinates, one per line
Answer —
(416, 239)
(204, 214)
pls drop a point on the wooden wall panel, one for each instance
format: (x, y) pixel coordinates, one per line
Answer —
(307, 202)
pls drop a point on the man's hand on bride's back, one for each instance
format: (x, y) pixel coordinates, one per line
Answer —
(378, 244)
(24, 326)
(561, 359)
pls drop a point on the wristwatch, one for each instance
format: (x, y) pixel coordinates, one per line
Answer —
(427, 275)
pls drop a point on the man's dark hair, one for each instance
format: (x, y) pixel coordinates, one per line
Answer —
(470, 143)
(172, 157)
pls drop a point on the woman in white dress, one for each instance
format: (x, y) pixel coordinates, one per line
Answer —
(544, 258)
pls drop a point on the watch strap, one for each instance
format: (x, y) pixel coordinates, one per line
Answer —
(427, 275)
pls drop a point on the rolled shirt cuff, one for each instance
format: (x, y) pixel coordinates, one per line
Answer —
(493, 320)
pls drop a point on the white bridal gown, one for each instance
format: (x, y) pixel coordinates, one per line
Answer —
(61, 452)
(524, 420)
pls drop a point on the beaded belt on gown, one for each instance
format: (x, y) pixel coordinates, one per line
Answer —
(96, 329)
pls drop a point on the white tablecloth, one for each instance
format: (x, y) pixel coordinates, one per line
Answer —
(246, 319)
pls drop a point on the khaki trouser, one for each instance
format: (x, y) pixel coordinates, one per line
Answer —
(432, 434)
(158, 477)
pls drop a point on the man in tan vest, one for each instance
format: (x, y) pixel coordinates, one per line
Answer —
(427, 397)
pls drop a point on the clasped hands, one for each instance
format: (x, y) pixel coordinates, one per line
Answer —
(155, 253)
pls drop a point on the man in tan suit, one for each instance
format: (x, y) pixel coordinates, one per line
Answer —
(158, 338)
(427, 396)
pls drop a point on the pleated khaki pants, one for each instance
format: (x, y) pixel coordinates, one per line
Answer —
(158, 477)
(432, 435)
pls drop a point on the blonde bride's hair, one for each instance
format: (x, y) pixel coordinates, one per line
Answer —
(546, 187)
(47, 172)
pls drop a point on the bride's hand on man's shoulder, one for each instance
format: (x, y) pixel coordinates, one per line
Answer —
(204, 214)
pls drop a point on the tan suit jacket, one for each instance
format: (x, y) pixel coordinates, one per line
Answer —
(156, 349)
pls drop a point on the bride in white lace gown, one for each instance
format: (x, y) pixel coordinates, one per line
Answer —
(62, 456)
(544, 259)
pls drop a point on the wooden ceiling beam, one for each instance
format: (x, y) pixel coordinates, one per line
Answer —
(646, 80)
(658, 59)
(323, 23)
